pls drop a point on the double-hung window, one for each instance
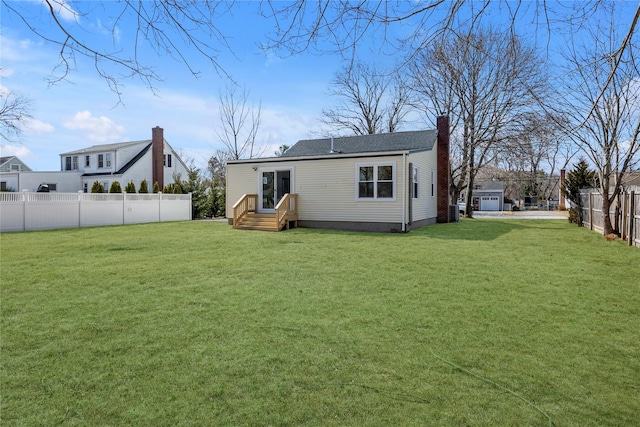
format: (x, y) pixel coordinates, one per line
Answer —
(87, 162)
(100, 160)
(107, 158)
(375, 181)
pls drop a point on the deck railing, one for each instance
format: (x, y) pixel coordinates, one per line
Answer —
(287, 210)
(244, 206)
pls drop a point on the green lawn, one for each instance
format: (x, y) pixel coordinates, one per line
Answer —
(485, 322)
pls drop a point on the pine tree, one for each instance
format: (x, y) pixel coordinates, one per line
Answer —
(156, 188)
(130, 187)
(97, 187)
(143, 187)
(580, 177)
(115, 187)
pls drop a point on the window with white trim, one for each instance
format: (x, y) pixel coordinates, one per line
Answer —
(375, 181)
(107, 160)
(100, 160)
(414, 180)
(87, 162)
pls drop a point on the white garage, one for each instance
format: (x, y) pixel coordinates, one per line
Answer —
(489, 203)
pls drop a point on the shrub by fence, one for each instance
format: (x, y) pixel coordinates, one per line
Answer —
(627, 213)
(27, 211)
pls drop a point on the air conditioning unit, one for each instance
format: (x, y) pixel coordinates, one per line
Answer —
(454, 213)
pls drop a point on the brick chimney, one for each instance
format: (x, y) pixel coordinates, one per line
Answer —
(157, 156)
(443, 179)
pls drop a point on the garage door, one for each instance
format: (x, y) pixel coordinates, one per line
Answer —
(489, 203)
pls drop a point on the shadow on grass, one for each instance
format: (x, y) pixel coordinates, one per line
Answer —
(466, 229)
(469, 229)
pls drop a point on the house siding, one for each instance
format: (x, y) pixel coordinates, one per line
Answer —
(328, 192)
(425, 206)
(326, 189)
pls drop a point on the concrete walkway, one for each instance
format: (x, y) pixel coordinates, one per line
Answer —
(563, 215)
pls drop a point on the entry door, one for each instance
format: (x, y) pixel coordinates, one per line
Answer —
(275, 184)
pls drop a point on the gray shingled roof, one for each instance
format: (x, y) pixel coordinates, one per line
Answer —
(105, 147)
(397, 141)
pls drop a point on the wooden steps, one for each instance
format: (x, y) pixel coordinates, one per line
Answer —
(255, 221)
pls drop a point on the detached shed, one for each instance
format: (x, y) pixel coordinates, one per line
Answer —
(390, 182)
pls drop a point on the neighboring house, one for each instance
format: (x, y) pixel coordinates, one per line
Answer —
(11, 166)
(382, 182)
(153, 160)
(487, 196)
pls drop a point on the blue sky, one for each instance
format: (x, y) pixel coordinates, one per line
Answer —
(82, 111)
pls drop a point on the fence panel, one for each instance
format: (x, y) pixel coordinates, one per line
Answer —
(628, 213)
(101, 209)
(41, 211)
(174, 207)
(141, 208)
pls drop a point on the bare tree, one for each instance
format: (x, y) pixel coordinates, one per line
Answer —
(492, 79)
(535, 152)
(14, 113)
(603, 99)
(165, 27)
(369, 101)
(239, 124)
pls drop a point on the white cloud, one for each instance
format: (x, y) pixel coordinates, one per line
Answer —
(15, 150)
(63, 10)
(37, 127)
(99, 129)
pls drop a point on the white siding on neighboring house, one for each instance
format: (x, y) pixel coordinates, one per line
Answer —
(64, 181)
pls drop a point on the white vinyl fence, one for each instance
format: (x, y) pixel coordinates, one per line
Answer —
(44, 211)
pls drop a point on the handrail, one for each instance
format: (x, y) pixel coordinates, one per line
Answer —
(287, 210)
(246, 204)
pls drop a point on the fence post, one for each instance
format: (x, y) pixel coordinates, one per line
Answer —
(632, 216)
(159, 206)
(79, 208)
(591, 211)
(623, 225)
(24, 210)
(124, 204)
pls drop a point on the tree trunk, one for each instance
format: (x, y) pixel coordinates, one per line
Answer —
(607, 228)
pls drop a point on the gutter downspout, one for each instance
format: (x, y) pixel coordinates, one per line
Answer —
(404, 180)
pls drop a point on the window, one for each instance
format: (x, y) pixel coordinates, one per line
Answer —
(87, 162)
(107, 158)
(3, 185)
(433, 183)
(67, 163)
(414, 180)
(85, 186)
(375, 181)
(74, 165)
(100, 160)
(15, 168)
(169, 160)
(166, 160)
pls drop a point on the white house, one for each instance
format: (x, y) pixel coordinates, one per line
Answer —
(383, 182)
(153, 160)
(10, 167)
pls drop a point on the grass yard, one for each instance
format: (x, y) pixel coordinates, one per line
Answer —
(481, 323)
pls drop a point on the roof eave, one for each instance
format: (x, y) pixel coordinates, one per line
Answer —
(322, 157)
